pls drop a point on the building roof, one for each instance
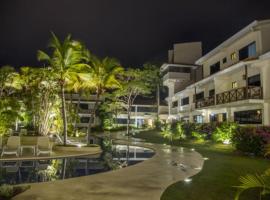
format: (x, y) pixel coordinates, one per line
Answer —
(249, 28)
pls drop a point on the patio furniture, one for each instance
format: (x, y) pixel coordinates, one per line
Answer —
(43, 146)
(12, 146)
(31, 147)
(1, 142)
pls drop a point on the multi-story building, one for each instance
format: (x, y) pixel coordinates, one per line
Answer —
(230, 83)
(143, 112)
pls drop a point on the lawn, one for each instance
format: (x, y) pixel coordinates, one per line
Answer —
(219, 174)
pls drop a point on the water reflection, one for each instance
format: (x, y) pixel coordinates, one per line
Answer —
(29, 171)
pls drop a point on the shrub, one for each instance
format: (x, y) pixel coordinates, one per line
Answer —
(224, 132)
(179, 132)
(158, 124)
(251, 140)
(9, 191)
(166, 131)
(198, 135)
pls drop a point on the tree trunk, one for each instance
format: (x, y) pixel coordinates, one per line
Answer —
(64, 113)
(77, 110)
(158, 100)
(90, 124)
(128, 120)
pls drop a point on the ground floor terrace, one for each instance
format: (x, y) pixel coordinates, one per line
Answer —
(253, 112)
(146, 180)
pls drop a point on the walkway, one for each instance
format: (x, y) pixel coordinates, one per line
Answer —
(146, 180)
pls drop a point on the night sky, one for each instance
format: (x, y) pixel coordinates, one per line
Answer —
(134, 31)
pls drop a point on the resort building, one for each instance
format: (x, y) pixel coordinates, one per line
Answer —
(143, 113)
(230, 83)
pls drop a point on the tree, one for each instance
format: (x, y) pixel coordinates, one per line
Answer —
(155, 80)
(9, 105)
(66, 57)
(133, 83)
(9, 81)
(98, 77)
(254, 181)
(40, 96)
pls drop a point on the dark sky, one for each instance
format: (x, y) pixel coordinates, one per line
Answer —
(134, 31)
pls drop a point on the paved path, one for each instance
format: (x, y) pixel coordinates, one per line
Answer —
(146, 180)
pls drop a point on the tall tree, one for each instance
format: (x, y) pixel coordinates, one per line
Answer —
(99, 76)
(9, 105)
(66, 56)
(154, 79)
(133, 84)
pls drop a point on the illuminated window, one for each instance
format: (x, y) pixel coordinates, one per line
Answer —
(233, 56)
(234, 85)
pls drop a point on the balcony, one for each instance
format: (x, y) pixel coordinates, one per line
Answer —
(174, 111)
(175, 76)
(238, 94)
(208, 101)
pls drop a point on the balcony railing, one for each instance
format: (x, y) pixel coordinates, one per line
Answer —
(174, 110)
(251, 92)
(208, 101)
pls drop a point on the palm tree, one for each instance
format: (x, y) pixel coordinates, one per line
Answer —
(66, 56)
(98, 77)
(255, 181)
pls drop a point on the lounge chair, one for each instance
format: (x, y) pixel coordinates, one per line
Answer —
(1, 142)
(12, 146)
(43, 146)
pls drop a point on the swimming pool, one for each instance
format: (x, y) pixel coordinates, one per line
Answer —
(43, 170)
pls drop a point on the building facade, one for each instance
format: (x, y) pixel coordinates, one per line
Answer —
(230, 83)
(143, 113)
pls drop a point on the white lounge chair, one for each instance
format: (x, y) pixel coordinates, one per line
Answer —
(43, 146)
(12, 146)
(1, 142)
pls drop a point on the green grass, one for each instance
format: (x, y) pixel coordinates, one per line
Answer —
(219, 174)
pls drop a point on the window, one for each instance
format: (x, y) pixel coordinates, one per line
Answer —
(234, 85)
(198, 118)
(224, 60)
(233, 56)
(248, 51)
(214, 68)
(220, 117)
(199, 96)
(84, 106)
(254, 80)
(124, 121)
(185, 101)
(146, 109)
(175, 104)
(248, 117)
(212, 93)
(85, 119)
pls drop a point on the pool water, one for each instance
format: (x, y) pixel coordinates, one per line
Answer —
(43, 170)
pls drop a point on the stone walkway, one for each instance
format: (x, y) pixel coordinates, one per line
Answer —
(146, 180)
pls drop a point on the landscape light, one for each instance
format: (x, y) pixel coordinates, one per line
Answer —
(188, 180)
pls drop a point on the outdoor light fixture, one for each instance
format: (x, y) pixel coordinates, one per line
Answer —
(197, 168)
(192, 149)
(227, 141)
(188, 180)
(205, 158)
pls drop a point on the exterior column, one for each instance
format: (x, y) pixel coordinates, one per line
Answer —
(229, 115)
(206, 116)
(266, 114)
